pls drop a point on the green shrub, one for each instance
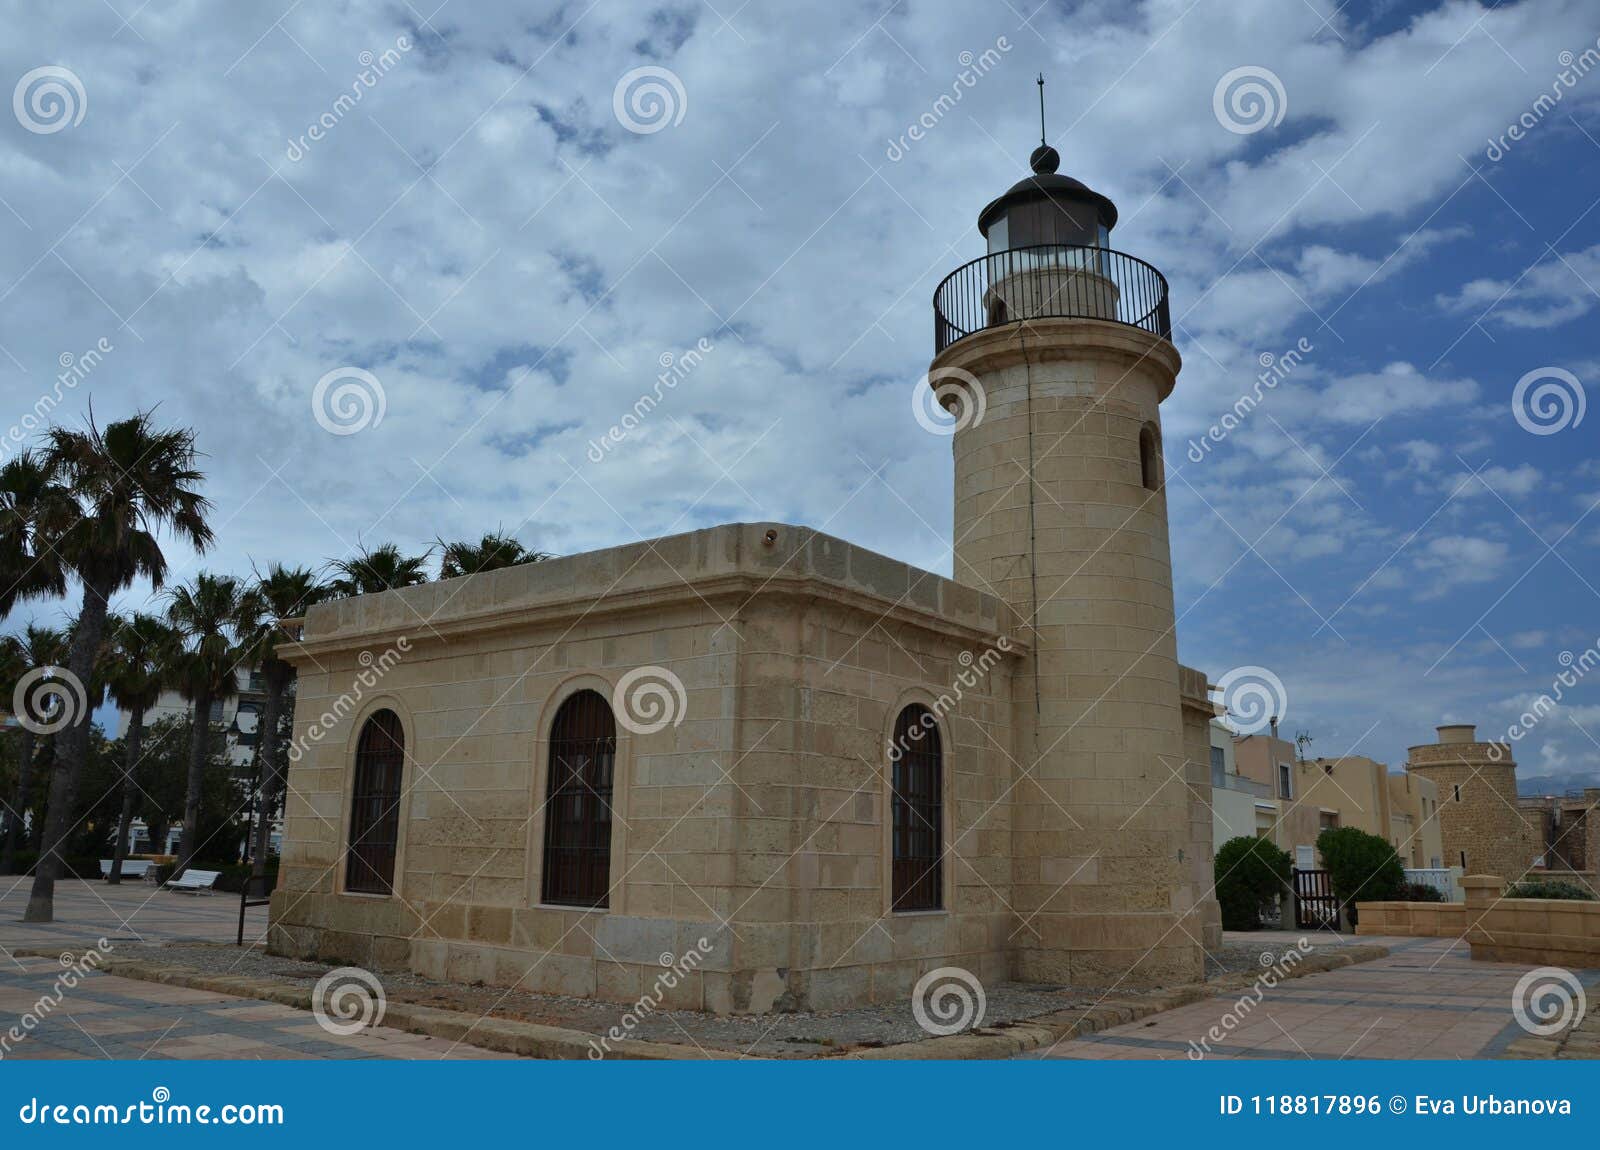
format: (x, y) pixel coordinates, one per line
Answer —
(1549, 888)
(234, 876)
(1250, 873)
(1360, 866)
(1421, 892)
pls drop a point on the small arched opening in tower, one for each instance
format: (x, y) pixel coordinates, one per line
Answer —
(1150, 457)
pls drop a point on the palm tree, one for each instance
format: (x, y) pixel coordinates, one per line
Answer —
(381, 568)
(211, 613)
(494, 551)
(13, 665)
(35, 647)
(140, 661)
(282, 593)
(33, 509)
(128, 482)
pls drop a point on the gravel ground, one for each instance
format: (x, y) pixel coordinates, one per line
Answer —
(782, 1035)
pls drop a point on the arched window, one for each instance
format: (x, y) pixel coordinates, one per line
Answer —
(917, 811)
(375, 805)
(577, 815)
(1150, 457)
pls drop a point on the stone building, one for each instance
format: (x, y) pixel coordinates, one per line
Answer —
(1568, 833)
(1483, 830)
(820, 771)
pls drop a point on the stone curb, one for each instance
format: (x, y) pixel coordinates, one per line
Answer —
(534, 1040)
(509, 1036)
(1046, 1030)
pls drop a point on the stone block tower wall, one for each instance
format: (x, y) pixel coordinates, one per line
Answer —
(1481, 827)
(1060, 512)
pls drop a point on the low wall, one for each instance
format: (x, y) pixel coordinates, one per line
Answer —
(1542, 931)
(1547, 932)
(1412, 919)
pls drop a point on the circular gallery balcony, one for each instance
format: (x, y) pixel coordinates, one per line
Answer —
(1061, 281)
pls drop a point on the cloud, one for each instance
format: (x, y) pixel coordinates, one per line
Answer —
(1555, 291)
(1451, 561)
(512, 264)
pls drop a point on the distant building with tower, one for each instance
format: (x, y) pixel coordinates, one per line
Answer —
(1483, 828)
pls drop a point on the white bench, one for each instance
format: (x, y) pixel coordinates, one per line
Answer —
(131, 868)
(194, 881)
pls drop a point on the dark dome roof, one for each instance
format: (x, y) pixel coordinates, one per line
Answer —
(1049, 185)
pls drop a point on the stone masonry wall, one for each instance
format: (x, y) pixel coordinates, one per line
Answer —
(1484, 822)
(757, 822)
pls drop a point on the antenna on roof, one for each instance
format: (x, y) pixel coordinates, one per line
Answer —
(1045, 159)
(1042, 141)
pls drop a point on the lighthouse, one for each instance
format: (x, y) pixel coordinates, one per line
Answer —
(1054, 352)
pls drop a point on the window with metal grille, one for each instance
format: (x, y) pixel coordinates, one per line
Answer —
(375, 805)
(577, 815)
(917, 814)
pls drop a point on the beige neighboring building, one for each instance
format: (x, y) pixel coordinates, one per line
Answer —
(1313, 795)
(839, 771)
(1240, 805)
(1484, 830)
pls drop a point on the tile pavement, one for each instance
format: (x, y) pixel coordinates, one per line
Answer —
(109, 1017)
(1427, 1000)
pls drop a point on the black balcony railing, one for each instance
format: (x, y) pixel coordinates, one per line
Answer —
(1050, 281)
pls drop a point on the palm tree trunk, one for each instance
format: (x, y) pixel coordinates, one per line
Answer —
(48, 754)
(199, 747)
(271, 771)
(26, 741)
(135, 746)
(72, 752)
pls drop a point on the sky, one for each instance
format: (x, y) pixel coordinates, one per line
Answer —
(402, 267)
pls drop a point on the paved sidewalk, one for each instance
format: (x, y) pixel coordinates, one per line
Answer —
(108, 1017)
(1428, 999)
(129, 912)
